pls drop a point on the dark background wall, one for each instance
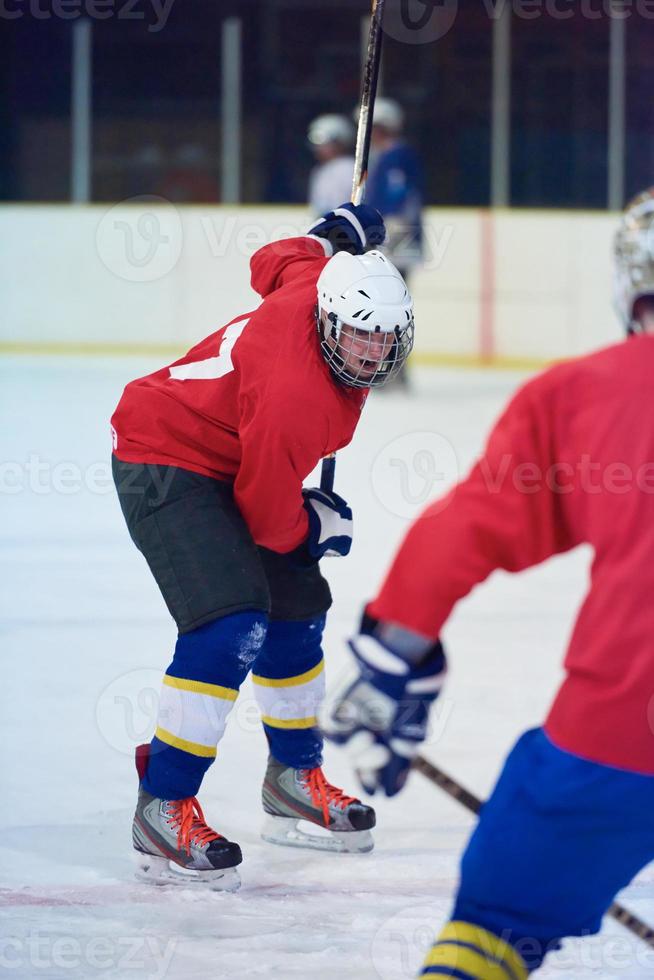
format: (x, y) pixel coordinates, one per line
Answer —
(156, 99)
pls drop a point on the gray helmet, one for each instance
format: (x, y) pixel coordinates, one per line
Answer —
(331, 128)
(386, 113)
(633, 252)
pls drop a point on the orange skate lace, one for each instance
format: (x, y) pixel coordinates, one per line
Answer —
(187, 817)
(323, 793)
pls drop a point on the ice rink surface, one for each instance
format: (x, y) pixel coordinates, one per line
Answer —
(85, 637)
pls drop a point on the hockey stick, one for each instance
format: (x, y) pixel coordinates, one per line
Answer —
(474, 804)
(367, 101)
(361, 154)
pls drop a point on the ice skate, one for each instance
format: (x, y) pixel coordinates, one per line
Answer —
(174, 845)
(292, 797)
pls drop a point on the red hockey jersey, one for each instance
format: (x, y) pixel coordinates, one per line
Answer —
(254, 403)
(571, 460)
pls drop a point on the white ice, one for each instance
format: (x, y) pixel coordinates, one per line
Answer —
(86, 637)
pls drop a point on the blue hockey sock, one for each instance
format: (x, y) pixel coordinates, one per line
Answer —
(199, 690)
(289, 684)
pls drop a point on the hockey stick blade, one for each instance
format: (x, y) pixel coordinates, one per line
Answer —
(474, 804)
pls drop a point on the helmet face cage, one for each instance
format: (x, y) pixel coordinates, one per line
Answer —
(634, 257)
(353, 354)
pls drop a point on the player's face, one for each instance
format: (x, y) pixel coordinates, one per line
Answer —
(328, 151)
(644, 313)
(362, 351)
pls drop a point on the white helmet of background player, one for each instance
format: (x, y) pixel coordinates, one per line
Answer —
(365, 318)
(331, 128)
(633, 252)
(389, 114)
(386, 113)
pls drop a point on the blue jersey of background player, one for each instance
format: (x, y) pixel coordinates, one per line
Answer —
(395, 185)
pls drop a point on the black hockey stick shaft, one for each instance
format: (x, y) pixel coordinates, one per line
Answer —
(361, 155)
(474, 804)
(367, 101)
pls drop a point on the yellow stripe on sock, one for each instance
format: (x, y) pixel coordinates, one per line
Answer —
(289, 722)
(193, 748)
(467, 960)
(199, 687)
(510, 964)
(290, 681)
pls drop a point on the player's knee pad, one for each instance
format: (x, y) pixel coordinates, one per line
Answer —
(202, 683)
(289, 685)
(198, 692)
(466, 950)
(222, 651)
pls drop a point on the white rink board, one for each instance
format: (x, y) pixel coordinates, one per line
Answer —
(152, 274)
(86, 637)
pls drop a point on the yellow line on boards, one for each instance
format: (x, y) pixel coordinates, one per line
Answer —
(434, 359)
(172, 351)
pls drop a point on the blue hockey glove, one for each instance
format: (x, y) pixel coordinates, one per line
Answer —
(330, 523)
(381, 718)
(352, 228)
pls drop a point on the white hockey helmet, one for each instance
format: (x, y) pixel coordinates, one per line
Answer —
(387, 113)
(331, 128)
(633, 252)
(365, 318)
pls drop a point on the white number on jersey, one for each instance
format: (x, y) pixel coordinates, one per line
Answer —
(212, 367)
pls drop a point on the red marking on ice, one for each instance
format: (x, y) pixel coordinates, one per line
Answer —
(9, 897)
(83, 896)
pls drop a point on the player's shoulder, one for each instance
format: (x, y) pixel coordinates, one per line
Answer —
(308, 247)
(281, 346)
(611, 367)
(275, 331)
(400, 154)
(287, 261)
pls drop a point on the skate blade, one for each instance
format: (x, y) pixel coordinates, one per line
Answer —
(289, 832)
(155, 870)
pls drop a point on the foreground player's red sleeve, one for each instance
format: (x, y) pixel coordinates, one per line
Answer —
(503, 515)
(281, 262)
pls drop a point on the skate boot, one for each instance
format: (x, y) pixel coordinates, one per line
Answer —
(174, 845)
(294, 796)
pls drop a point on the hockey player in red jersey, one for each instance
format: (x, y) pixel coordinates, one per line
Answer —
(209, 458)
(569, 823)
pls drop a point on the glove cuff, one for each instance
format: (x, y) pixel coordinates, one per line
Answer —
(413, 648)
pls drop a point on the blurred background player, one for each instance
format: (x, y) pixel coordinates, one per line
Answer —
(331, 138)
(569, 822)
(209, 458)
(395, 189)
